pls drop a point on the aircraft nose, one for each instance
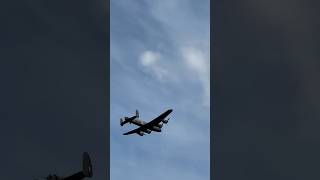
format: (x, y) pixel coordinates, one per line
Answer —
(170, 110)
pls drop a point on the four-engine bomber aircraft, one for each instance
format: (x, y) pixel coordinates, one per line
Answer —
(154, 125)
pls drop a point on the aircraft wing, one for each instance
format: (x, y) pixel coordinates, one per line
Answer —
(133, 131)
(158, 119)
(150, 124)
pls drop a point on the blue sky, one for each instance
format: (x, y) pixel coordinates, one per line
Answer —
(160, 60)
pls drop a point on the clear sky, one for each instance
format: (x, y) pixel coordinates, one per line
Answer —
(160, 60)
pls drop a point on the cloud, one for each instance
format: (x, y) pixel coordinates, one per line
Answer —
(195, 65)
(198, 62)
(149, 58)
(150, 61)
(189, 33)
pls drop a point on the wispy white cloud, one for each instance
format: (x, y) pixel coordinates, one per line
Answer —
(151, 62)
(195, 65)
(197, 61)
(149, 58)
(189, 33)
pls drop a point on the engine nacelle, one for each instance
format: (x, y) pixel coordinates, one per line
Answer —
(148, 131)
(156, 128)
(165, 121)
(159, 125)
(140, 133)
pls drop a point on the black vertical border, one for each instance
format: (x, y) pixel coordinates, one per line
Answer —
(212, 119)
(107, 87)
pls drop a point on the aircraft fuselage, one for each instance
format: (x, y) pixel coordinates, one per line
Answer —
(140, 122)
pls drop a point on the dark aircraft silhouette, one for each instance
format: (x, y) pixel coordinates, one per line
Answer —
(86, 171)
(154, 125)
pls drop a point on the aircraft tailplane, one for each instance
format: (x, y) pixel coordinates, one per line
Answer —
(122, 121)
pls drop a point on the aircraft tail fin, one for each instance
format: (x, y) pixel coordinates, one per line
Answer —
(122, 121)
(86, 169)
(137, 113)
(86, 165)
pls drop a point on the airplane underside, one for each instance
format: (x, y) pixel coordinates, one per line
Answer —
(144, 127)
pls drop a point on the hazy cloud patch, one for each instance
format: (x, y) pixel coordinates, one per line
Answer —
(199, 65)
(151, 62)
